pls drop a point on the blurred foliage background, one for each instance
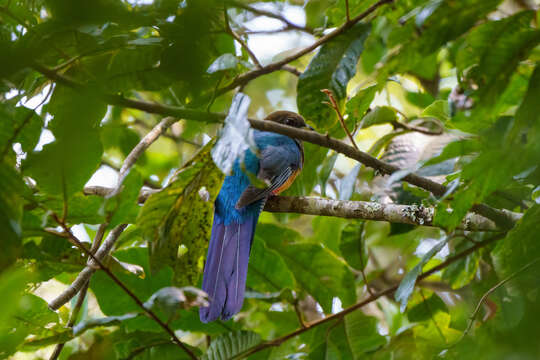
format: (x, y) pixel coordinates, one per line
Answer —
(447, 89)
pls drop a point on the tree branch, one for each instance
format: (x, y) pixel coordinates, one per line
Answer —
(239, 40)
(370, 299)
(84, 276)
(261, 12)
(499, 217)
(393, 213)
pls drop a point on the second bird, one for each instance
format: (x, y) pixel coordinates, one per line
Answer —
(237, 210)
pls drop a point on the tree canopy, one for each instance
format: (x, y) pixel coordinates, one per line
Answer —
(411, 233)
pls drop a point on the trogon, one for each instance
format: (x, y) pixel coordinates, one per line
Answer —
(236, 211)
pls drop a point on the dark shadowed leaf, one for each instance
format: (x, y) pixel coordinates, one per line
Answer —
(228, 345)
(315, 268)
(332, 68)
(267, 270)
(406, 286)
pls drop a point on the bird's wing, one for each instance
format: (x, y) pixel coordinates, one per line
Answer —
(277, 166)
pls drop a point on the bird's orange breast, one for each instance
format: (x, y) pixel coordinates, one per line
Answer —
(287, 183)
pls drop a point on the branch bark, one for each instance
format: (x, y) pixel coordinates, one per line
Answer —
(394, 213)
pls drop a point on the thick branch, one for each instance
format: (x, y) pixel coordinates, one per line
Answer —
(394, 213)
(499, 217)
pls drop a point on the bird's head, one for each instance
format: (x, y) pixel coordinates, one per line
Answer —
(288, 118)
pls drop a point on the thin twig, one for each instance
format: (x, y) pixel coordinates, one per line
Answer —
(167, 135)
(291, 69)
(246, 77)
(72, 319)
(289, 25)
(334, 105)
(118, 282)
(490, 291)
(84, 276)
(347, 11)
(137, 151)
(299, 314)
(242, 43)
(370, 299)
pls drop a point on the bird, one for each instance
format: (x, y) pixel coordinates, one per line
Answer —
(278, 162)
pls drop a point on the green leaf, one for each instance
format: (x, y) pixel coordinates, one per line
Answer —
(352, 245)
(315, 268)
(141, 345)
(179, 218)
(519, 248)
(528, 114)
(426, 309)
(332, 68)
(406, 286)
(439, 110)
(112, 299)
(12, 283)
(362, 334)
(124, 206)
(379, 115)
(18, 125)
(64, 166)
(489, 57)
(352, 338)
(327, 231)
(267, 270)
(231, 344)
(359, 104)
(462, 272)
(11, 212)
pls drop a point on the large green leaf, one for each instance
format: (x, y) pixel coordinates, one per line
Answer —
(316, 269)
(64, 166)
(406, 287)
(489, 57)
(18, 125)
(353, 247)
(231, 344)
(177, 221)
(435, 23)
(267, 270)
(352, 338)
(332, 68)
(112, 299)
(519, 248)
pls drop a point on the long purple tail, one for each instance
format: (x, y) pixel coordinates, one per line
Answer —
(225, 271)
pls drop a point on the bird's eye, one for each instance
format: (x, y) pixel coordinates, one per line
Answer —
(289, 121)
